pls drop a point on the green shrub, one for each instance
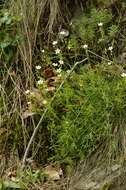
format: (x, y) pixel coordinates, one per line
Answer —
(86, 111)
(93, 28)
(9, 34)
(86, 26)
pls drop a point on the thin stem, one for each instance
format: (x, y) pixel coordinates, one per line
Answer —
(45, 111)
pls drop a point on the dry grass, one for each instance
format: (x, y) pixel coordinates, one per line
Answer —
(39, 20)
(38, 17)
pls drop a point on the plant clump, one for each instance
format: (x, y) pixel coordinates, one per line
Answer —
(62, 83)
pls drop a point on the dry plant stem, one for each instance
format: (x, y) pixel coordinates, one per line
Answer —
(45, 111)
(102, 58)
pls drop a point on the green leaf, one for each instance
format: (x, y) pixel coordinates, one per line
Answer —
(9, 184)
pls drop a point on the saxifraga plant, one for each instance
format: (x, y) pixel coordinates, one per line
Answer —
(89, 112)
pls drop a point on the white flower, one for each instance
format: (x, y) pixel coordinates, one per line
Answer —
(46, 89)
(44, 102)
(64, 33)
(85, 46)
(68, 71)
(55, 64)
(110, 48)
(61, 62)
(123, 75)
(51, 88)
(100, 24)
(70, 23)
(59, 75)
(42, 50)
(59, 70)
(38, 67)
(39, 82)
(32, 93)
(109, 63)
(57, 51)
(100, 40)
(54, 43)
(27, 92)
(29, 103)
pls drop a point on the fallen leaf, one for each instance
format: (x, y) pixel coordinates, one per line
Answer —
(12, 174)
(48, 72)
(52, 173)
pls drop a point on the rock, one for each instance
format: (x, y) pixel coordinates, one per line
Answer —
(99, 178)
(53, 173)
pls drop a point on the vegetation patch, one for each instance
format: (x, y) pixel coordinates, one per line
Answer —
(62, 85)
